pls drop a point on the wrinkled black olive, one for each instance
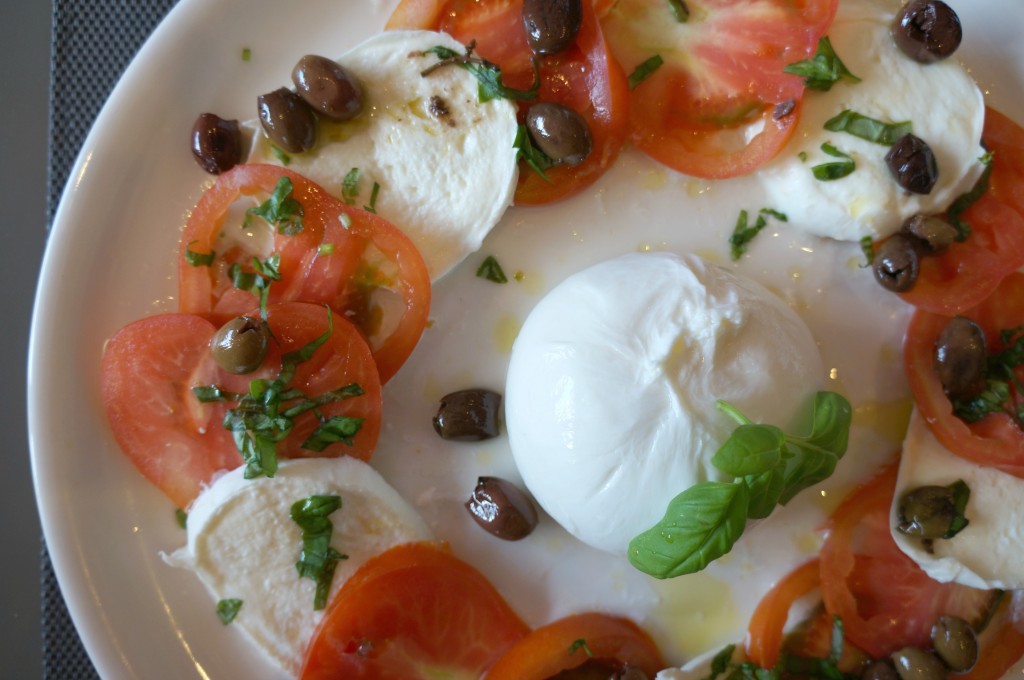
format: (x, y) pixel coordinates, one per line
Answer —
(879, 670)
(955, 643)
(468, 415)
(500, 507)
(216, 143)
(913, 663)
(960, 357)
(896, 263)
(331, 89)
(934, 233)
(551, 25)
(600, 669)
(240, 345)
(288, 120)
(927, 512)
(912, 164)
(559, 132)
(927, 30)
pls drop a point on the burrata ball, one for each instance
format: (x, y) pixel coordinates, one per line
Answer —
(614, 379)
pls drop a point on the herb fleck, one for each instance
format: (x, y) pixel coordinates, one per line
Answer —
(227, 609)
(490, 269)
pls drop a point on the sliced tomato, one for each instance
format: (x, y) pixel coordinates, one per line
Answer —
(584, 77)
(764, 633)
(884, 599)
(968, 272)
(996, 440)
(709, 109)
(590, 640)
(413, 612)
(327, 261)
(150, 367)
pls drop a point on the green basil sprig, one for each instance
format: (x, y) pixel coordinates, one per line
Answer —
(822, 70)
(869, 129)
(769, 468)
(317, 560)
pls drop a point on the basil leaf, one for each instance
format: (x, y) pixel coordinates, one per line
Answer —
(827, 172)
(869, 129)
(331, 431)
(535, 159)
(743, 234)
(227, 609)
(644, 70)
(822, 70)
(317, 559)
(701, 524)
(765, 491)
(350, 186)
(966, 200)
(679, 10)
(198, 259)
(720, 663)
(580, 644)
(374, 192)
(281, 210)
(815, 456)
(751, 450)
(182, 518)
(490, 269)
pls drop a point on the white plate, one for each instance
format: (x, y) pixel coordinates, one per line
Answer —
(111, 259)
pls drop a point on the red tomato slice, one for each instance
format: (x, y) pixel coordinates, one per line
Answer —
(764, 633)
(996, 440)
(413, 612)
(150, 367)
(884, 599)
(584, 77)
(326, 262)
(721, 77)
(609, 642)
(968, 272)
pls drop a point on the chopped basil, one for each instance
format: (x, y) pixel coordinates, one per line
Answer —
(259, 280)
(280, 154)
(318, 559)
(350, 186)
(246, 54)
(535, 159)
(966, 200)
(788, 665)
(644, 70)
(870, 129)
(182, 518)
(802, 156)
(266, 414)
(867, 246)
(1000, 382)
(768, 466)
(679, 10)
(372, 207)
(822, 70)
(488, 75)
(961, 495)
(331, 431)
(198, 259)
(281, 210)
(227, 609)
(826, 172)
(743, 233)
(490, 269)
(325, 249)
(578, 645)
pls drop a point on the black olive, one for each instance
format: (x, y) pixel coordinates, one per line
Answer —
(879, 670)
(500, 507)
(327, 86)
(927, 30)
(288, 120)
(934, 233)
(559, 132)
(240, 345)
(927, 512)
(600, 669)
(468, 415)
(913, 663)
(960, 357)
(551, 25)
(955, 643)
(896, 263)
(913, 164)
(216, 143)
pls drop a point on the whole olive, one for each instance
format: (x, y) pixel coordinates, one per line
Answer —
(896, 263)
(912, 164)
(960, 357)
(240, 345)
(927, 511)
(468, 415)
(600, 669)
(913, 663)
(500, 507)
(551, 25)
(879, 669)
(927, 30)
(216, 143)
(955, 643)
(327, 86)
(288, 120)
(559, 132)
(934, 233)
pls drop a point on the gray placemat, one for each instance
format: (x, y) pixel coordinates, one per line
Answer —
(92, 43)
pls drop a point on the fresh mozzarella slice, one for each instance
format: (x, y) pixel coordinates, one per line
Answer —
(613, 381)
(243, 543)
(940, 100)
(985, 554)
(444, 162)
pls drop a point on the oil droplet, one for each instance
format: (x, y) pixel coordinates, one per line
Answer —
(695, 188)
(888, 419)
(712, 256)
(833, 374)
(532, 282)
(809, 542)
(696, 612)
(654, 179)
(795, 273)
(506, 329)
